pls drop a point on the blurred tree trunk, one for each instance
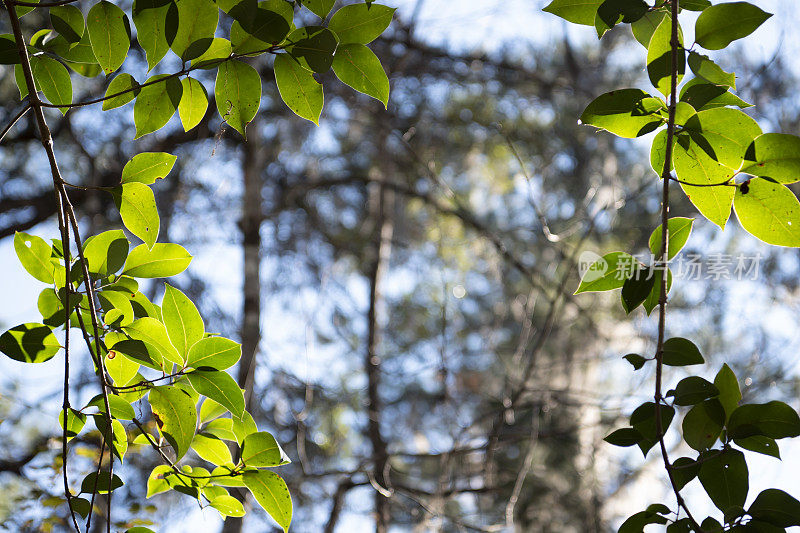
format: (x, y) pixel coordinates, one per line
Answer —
(253, 163)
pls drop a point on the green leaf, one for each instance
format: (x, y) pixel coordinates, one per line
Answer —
(693, 390)
(197, 22)
(121, 369)
(121, 82)
(705, 68)
(227, 506)
(703, 424)
(162, 261)
(729, 393)
(75, 422)
(238, 94)
(723, 133)
(147, 167)
(220, 387)
(659, 57)
(222, 428)
(258, 31)
(109, 35)
(695, 5)
(769, 211)
(157, 481)
(212, 450)
(298, 88)
(637, 288)
(210, 410)
(624, 437)
(719, 25)
(218, 353)
(34, 254)
(118, 437)
(679, 230)
(681, 352)
(243, 426)
(29, 343)
(154, 20)
(194, 103)
(774, 419)
(636, 523)
(140, 352)
(774, 155)
(51, 306)
(261, 449)
(636, 360)
(684, 470)
(52, 78)
(153, 332)
(776, 507)
(575, 11)
(68, 21)
(357, 66)
(117, 307)
(643, 419)
(702, 180)
(708, 96)
(623, 112)
(644, 28)
(608, 273)
(312, 47)
(219, 50)
(137, 207)
(81, 506)
(362, 24)
(106, 253)
(612, 12)
(320, 8)
(176, 416)
(711, 525)
(104, 483)
(271, 492)
(156, 103)
(724, 477)
(759, 444)
(9, 54)
(182, 320)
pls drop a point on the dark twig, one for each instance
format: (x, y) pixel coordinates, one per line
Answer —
(662, 301)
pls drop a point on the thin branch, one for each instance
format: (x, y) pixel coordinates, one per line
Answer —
(662, 301)
(14, 120)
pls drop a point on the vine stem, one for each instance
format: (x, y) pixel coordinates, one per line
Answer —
(666, 176)
(66, 218)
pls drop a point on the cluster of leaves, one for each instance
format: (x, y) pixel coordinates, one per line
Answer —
(100, 43)
(722, 159)
(159, 353)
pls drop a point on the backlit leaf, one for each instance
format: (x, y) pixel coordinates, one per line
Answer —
(162, 261)
(238, 94)
(360, 23)
(29, 343)
(357, 66)
(769, 211)
(298, 88)
(137, 207)
(719, 25)
(108, 33)
(271, 492)
(176, 416)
